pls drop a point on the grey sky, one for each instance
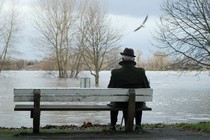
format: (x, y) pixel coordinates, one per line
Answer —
(130, 14)
(125, 14)
(135, 8)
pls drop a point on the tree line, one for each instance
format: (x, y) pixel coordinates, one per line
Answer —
(160, 61)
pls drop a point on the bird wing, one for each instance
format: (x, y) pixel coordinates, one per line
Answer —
(137, 28)
(142, 25)
(145, 20)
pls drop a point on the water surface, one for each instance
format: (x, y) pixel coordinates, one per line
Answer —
(176, 99)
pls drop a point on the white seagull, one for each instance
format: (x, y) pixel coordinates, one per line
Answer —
(142, 25)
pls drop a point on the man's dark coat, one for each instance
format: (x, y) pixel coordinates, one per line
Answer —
(128, 76)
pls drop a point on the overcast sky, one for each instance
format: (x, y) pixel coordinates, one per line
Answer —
(130, 14)
(126, 14)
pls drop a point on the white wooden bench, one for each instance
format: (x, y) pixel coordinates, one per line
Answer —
(54, 99)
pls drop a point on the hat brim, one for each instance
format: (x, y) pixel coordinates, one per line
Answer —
(127, 54)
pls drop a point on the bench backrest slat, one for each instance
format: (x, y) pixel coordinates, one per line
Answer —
(82, 94)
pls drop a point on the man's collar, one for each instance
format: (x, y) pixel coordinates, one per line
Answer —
(127, 63)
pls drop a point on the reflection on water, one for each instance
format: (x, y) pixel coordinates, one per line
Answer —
(176, 99)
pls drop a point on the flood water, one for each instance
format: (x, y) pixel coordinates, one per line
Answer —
(177, 98)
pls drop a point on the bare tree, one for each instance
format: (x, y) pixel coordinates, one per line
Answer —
(159, 61)
(138, 58)
(113, 58)
(55, 20)
(77, 63)
(99, 39)
(184, 31)
(9, 28)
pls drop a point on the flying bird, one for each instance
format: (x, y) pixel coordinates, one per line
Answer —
(142, 25)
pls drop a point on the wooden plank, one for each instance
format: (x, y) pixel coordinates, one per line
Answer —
(25, 107)
(86, 95)
(84, 91)
(144, 91)
(92, 91)
(144, 98)
(81, 98)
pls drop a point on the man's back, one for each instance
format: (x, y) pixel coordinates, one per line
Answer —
(128, 76)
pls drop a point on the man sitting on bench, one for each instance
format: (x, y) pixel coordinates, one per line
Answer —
(128, 76)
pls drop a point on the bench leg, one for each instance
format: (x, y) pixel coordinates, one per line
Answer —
(36, 111)
(36, 122)
(131, 110)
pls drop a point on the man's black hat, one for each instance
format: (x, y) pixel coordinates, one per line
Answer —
(128, 52)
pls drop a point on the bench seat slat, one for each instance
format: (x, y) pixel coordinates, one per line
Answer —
(71, 108)
(82, 95)
(78, 98)
(86, 91)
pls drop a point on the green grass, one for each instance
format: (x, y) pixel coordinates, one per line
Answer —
(201, 127)
(13, 132)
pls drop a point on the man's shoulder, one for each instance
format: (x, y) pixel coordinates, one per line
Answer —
(120, 69)
(140, 69)
(115, 70)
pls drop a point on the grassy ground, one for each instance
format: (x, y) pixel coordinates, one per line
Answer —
(201, 127)
(12, 132)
